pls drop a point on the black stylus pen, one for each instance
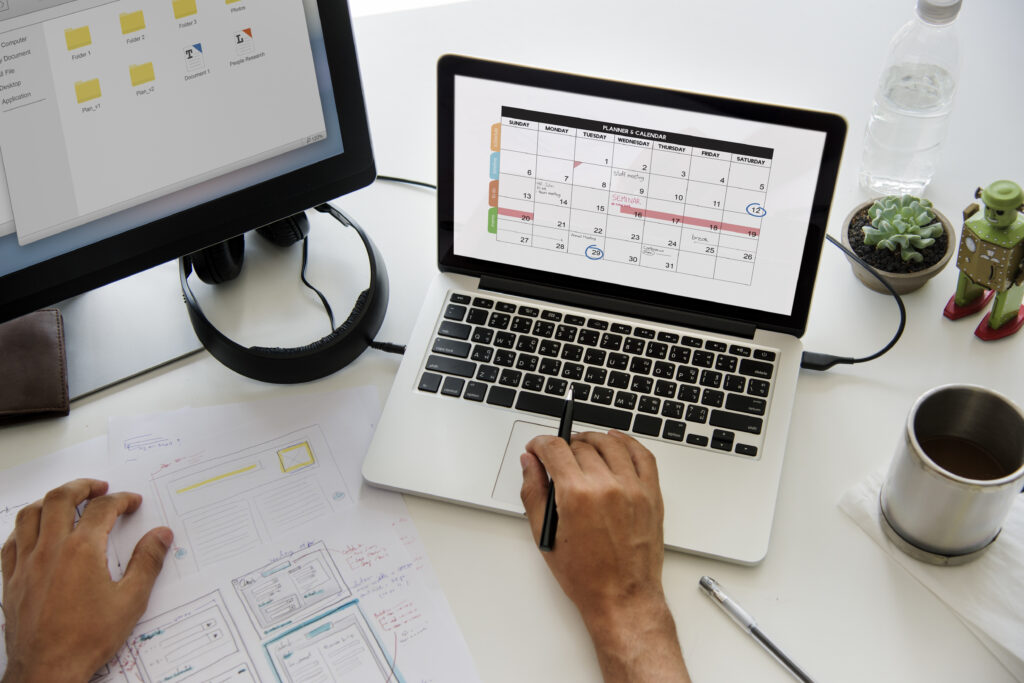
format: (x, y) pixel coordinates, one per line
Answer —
(550, 526)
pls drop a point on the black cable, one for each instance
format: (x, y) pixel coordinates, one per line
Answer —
(824, 361)
(302, 275)
(388, 347)
(395, 179)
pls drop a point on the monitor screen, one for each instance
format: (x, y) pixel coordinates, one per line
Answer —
(135, 131)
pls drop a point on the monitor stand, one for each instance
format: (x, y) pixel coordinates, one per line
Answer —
(125, 329)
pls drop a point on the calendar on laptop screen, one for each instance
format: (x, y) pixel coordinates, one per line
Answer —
(663, 199)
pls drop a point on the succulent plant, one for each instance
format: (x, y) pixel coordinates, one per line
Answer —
(906, 223)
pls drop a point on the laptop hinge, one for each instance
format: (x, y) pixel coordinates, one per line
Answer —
(627, 307)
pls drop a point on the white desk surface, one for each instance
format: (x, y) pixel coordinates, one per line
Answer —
(826, 593)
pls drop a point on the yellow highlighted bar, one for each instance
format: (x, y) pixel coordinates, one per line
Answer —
(132, 22)
(77, 37)
(87, 90)
(204, 482)
(141, 73)
(228, 2)
(495, 137)
(184, 8)
(296, 457)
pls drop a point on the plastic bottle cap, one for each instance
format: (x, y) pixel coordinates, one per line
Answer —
(938, 11)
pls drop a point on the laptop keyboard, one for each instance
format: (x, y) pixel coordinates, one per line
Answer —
(654, 382)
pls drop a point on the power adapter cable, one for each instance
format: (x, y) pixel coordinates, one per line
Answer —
(823, 361)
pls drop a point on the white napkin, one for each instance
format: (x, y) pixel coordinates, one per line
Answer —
(987, 594)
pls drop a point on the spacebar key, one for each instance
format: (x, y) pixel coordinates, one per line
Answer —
(583, 412)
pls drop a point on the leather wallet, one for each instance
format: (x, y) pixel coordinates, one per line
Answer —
(33, 367)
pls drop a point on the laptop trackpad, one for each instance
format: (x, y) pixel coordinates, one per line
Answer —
(510, 475)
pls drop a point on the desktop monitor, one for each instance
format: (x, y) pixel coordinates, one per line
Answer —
(136, 131)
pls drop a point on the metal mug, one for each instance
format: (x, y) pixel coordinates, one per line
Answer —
(948, 507)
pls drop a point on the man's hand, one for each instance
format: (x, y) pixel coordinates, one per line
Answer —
(65, 615)
(609, 549)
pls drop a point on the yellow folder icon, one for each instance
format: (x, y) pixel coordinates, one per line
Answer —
(77, 37)
(141, 73)
(132, 21)
(87, 90)
(228, 2)
(184, 8)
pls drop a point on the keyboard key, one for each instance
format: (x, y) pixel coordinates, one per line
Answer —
(697, 440)
(572, 371)
(549, 348)
(602, 395)
(679, 354)
(499, 321)
(642, 385)
(745, 449)
(640, 366)
(595, 376)
(505, 358)
(646, 424)
(576, 320)
(649, 404)
(746, 404)
(664, 370)
(726, 363)
(737, 350)
(686, 373)
(501, 396)
(657, 350)
(674, 430)
(453, 386)
(481, 302)
(487, 373)
(716, 346)
(459, 298)
(533, 382)
(672, 409)
(620, 328)
(758, 387)
(529, 311)
(665, 388)
(550, 366)
(644, 332)
(540, 404)
(755, 368)
(543, 328)
(526, 362)
(505, 307)
(603, 417)
(450, 347)
(761, 354)
(634, 346)
(710, 378)
(510, 378)
(612, 342)
(689, 393)
(693, 342)
(555, 386)
(625, 400)
(565, 333)
(553, 316)
(527, 344)
(618, 361)
(713, 398)
(696, 413)
(475, 391)
(572, 352)
(505, 340)
(588, 337)
(668, 337)
(722, 440)
(430, 382)
(455, 312)
(451, 366)
(454, 330)
(596, 324)
(482, 335)
(477, 316)
(734, 383)
(521, 324)
(482, 354)
(618, 380)
(704, 359)
(595, 357)
(580, 391)
(736, 422)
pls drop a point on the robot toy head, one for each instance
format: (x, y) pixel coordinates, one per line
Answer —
(1003, 199)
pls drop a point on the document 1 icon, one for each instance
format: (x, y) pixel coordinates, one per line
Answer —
(141, 73)
(77, 37)
(87, 90)
(194, 60)
(132, 21)
(184, 8)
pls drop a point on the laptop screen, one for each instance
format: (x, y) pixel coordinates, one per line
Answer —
(689, 201)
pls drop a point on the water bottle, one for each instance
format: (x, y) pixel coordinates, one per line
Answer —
(908, 121)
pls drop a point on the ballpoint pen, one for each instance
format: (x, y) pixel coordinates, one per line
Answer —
(747, 623)
(550, 525)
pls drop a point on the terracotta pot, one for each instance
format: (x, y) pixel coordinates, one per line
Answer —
(901, 282)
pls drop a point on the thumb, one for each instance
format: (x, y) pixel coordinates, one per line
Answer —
(146, 563)
(534, 492)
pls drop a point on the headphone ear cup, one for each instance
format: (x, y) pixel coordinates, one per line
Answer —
(220, 262)
(286, 231)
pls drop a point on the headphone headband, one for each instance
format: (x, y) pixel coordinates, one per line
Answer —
(312, 361)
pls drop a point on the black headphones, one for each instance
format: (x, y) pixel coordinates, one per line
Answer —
(223, 262)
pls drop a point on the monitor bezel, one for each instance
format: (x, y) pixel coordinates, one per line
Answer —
(151, 244)
(833, 125)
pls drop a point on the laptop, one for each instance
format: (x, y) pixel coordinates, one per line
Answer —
(653, 251)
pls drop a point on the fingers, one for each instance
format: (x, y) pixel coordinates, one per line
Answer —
(145, 565)
(101, 513)
(534, 492)
(57, 516)
(26, 526)
(555, 455)
(643, 460)
(613, 451)
(8, 558)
